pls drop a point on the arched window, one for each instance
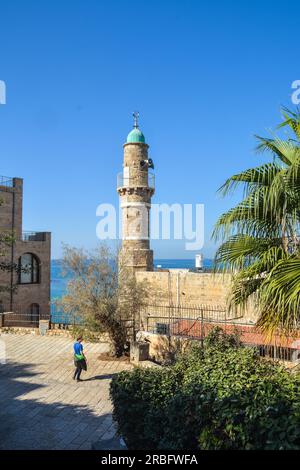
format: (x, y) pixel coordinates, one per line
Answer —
(29, 269)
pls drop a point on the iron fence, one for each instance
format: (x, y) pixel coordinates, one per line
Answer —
(11, 319)
(20, 316)
(196, 322)
(33, 236)
(59, 317)
(279, 352)
(182, 319)
(6, 182)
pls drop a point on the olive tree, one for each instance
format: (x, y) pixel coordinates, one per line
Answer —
(6, 242)
(102, 293)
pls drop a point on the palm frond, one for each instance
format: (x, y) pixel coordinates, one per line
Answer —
(291, 119)
(280, 299)
(285, 150)
(260, 235)
(261, 175)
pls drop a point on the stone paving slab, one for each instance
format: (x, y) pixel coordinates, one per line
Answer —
(41, 407)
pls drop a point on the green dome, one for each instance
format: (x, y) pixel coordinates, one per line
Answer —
(135, 136)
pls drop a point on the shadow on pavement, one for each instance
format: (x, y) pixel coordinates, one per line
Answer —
(99, 377)
(29, 423)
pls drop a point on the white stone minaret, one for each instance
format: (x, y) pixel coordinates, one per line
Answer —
(136, 187)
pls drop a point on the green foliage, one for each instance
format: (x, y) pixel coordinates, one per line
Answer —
(6, 242)
(260, 241)
(89, 334)
(221, 396)
(140, 399)
(101, 293)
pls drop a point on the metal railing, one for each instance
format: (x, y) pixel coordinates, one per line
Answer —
(6, 181)
(25, 320)
(198, 321)
(141, 180)
(33, 236)
(192, 315)
(279, 352)
(21, 316)
(59, 317)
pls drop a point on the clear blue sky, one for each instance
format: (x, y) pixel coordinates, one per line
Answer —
(204, 75)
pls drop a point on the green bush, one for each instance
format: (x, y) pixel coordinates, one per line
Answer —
(221, 396)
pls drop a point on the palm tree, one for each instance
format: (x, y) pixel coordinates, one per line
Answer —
(260, 236)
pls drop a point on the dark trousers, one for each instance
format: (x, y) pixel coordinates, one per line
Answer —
(77, 372)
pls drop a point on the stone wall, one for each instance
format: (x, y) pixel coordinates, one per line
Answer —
(11, 202)
(179, 287)
(24, 295)
(27, 294)
(162, 347)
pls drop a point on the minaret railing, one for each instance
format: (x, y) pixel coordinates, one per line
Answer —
(140, 180)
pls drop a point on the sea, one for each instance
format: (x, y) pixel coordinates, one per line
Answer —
(59, 282)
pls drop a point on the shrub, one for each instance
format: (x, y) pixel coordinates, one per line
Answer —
(139, 398)
(221, 396)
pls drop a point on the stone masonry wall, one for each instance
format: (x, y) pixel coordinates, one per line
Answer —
(11, 222)
(190, 289)
(135, 197)
(11, 201)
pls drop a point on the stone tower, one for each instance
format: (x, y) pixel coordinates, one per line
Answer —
(31, 252)
(136, 187)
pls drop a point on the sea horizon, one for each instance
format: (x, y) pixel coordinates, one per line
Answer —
(59, 282)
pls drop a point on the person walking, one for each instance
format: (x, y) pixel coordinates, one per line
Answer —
(79, 359)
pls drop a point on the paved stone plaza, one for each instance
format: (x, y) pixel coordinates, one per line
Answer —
(41, 406)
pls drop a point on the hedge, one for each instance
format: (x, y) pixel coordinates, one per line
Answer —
(221, 396)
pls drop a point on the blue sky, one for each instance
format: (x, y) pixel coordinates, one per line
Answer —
(204, 75)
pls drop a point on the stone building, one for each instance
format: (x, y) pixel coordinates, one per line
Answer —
(136, 187)
(30, 253)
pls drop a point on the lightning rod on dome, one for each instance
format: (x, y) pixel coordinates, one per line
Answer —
(136, 116)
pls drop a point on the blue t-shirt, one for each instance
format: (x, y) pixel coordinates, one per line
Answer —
(78, 348)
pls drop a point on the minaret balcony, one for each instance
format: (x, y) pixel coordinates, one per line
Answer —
(143, 181)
